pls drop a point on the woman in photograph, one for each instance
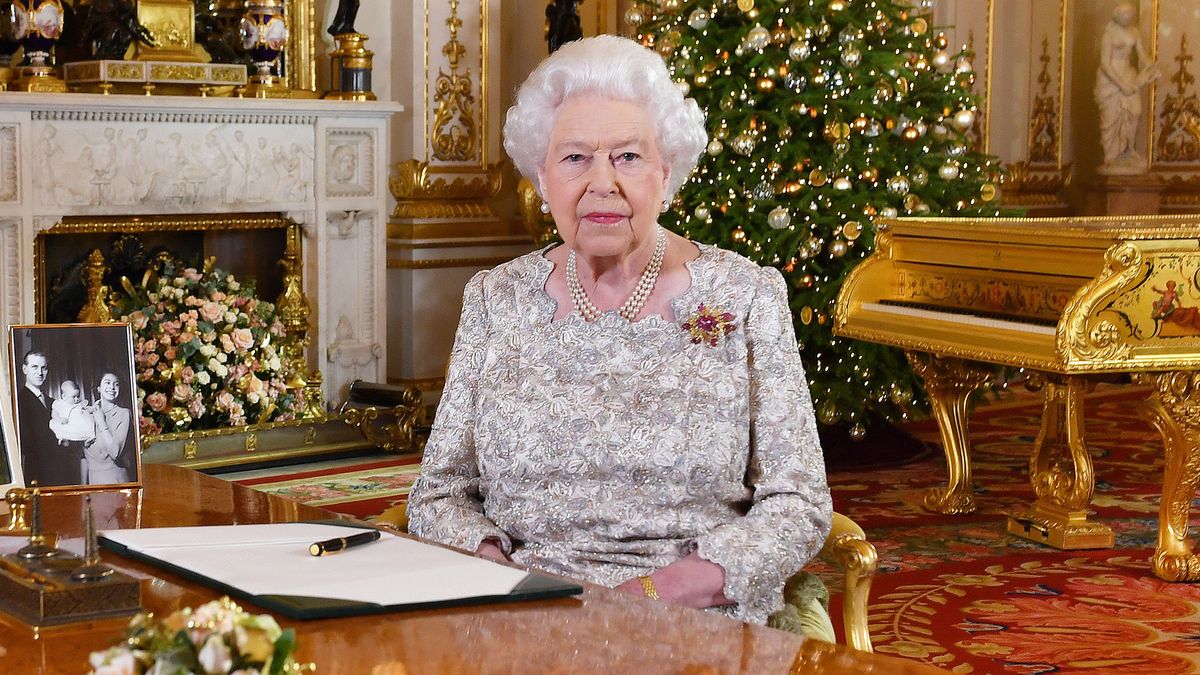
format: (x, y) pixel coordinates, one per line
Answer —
(103, 458)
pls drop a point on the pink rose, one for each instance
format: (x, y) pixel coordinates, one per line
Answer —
(183, 392)
(139, 320)
(226, 343)
(157, 401)
(187, 374)
(242, 338)
(224, 401)
(196, 408)
(211, 311)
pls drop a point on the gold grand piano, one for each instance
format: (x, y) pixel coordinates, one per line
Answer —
(1074, 299)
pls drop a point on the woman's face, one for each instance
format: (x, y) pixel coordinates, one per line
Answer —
(603, 177)
(109, 387)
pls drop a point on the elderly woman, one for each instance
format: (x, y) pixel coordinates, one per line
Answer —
(628, 407)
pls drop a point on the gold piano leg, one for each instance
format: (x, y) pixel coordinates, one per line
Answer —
(1060, 470)
(948, 383)
(1174, 409)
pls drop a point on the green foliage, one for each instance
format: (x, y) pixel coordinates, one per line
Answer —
(824, 115)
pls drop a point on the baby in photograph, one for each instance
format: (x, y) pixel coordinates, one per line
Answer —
(70, 419)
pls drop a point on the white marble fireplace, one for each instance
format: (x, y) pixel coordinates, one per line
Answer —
(322, 164)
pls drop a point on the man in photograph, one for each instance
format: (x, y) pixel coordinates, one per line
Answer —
(42, 457)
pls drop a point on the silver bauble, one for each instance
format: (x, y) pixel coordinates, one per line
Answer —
(851, 56)
(634, 16)
(858, 432)
(941, 60)
(758, 37)
(714, 147)
(841, 183)
(702, 212)
(948, 171)
(683, 86)
(837, 248)
(779, 218)
(963, 119)
(698, 19)
(897, 185)
(743, 144)
(799, 50)
(888, 212)
(919, 176)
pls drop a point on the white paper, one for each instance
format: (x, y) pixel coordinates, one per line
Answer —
(274, 560)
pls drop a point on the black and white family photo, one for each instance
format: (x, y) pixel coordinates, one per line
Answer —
(75, 404)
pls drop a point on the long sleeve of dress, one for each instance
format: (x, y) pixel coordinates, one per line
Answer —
(791, 510)
(445, 503)
(112, 441)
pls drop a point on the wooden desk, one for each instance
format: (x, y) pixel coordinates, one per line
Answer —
(599, 632)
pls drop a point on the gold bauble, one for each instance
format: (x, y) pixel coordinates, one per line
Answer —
(918, 26)
(806, 281)
(817, 178)
(870, 173)
(701, 79)
(910, 133)
(739, 235)
(851, 230)
(766, 84)
(806, 315)
(745, 5)
(837, 5)
(837, 131)
(988, 191)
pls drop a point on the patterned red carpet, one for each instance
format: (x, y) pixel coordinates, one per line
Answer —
(956, 591)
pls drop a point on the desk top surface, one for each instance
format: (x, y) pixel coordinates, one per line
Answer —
(600, 631)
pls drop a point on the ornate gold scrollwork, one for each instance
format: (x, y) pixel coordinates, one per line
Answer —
(1043, 123)
(294, 311)
(1179, 140)
(949, 383)
(1085, 337)
(421, 195)
(1061, 472)
(96, 309)
(455, 135)
(397, 436)
(848, 546)
(1174, 409)
(1028, 186)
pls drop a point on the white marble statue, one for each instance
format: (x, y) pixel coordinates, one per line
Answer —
(1125, 69)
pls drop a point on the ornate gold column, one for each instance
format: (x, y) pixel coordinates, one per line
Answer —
(445, 226)
(1175, 132)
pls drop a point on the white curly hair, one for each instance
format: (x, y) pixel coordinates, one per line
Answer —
(612, 67)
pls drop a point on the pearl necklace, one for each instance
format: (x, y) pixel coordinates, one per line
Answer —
(633, 305)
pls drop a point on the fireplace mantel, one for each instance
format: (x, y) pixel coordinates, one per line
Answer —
(321, 163)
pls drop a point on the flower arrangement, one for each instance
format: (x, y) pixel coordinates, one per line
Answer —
(218, 637)
(206, 351)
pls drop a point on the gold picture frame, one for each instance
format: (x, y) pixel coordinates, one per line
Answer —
(300, 55)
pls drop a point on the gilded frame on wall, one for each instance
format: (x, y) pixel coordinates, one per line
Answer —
(300, 57)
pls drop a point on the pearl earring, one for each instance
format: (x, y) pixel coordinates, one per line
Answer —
(545, 208)
(666, 206)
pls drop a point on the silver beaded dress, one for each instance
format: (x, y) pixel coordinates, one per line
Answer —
(602, 451)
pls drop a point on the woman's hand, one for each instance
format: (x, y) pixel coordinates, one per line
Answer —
(489, 548)
(691, 582)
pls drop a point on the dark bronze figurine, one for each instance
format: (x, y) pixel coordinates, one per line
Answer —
(562, 24)
(110, 26)
(343, 20)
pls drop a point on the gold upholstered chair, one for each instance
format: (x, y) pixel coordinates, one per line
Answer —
(846, 546)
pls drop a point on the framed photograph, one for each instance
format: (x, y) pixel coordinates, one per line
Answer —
(10, 466)
(76, 406)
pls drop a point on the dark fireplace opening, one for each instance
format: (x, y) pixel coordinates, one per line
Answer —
(246, 246)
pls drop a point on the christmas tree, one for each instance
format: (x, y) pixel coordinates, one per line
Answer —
(823, 115)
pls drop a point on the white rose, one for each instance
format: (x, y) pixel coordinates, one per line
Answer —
(215, 366)
(220, 370)
(208, 350)
(252, 397)
(274, 363)
(222, 357)
(114, 661)
(230, 317)
(203, 377)
(214, 657)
